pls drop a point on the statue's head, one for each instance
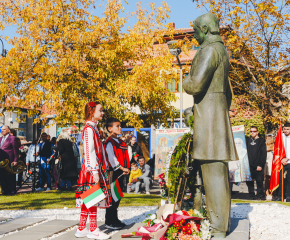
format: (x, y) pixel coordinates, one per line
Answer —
(205, 25)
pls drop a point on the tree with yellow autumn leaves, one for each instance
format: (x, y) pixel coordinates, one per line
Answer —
(256, 34)
(66, 56)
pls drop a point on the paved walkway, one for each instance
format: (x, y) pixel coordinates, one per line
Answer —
(41, 229)
(37, 229)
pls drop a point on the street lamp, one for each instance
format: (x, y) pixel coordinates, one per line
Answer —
(4, 51)
(175, 51)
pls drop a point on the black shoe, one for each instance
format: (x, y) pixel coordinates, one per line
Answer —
(252, 197)
(115, 226)
(121, 223)
(276, 199)
(261, 198)
(287, 199)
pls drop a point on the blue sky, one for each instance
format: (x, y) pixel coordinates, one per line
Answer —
(182, 13)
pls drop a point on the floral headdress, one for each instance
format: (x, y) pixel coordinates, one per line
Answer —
(92, 104)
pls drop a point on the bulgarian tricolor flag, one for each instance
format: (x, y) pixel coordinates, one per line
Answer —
(117, 193)
(92, 196)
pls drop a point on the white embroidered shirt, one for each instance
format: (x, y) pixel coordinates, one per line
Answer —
(91, 161)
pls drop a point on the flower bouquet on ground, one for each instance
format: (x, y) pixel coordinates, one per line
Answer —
(186, 227)
(167, 225)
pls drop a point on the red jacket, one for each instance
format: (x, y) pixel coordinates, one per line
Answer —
(121, 152)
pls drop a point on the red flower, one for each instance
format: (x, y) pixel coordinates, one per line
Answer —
(176, 224)
(198, 225)
(161, 176)
(189, 231)
(182, 221)
(92, 104)
(185, 213)
(184, 229)
(188, 225)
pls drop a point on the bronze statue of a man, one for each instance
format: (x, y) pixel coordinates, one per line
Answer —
(213, 141)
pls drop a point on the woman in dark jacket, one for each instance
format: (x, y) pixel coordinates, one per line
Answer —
(69, 165)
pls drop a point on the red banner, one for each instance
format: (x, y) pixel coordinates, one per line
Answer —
(279, 154)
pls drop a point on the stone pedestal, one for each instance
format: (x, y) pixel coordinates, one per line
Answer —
(240, 230)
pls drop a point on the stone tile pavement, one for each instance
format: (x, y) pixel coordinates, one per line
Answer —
(37, 229)
(18, 224)
(115, 235)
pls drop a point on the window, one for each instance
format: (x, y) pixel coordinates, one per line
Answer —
(173, 86)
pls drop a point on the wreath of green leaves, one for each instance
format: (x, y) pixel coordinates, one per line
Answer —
(178, 163)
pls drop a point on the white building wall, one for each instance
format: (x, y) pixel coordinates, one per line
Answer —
(50, 128)
(10, 119)
(187, 101)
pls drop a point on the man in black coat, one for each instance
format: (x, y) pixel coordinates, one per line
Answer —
(257, 154)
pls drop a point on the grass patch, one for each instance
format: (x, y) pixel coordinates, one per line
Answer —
(58, 199)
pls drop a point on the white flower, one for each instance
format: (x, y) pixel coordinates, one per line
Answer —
(205, 233)
(197, 213)
(152, 217)
(25, 149)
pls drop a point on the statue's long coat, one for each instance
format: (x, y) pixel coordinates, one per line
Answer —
(208, 83)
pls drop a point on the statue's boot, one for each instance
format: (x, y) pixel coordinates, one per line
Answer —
(218, 199)
(196, 189)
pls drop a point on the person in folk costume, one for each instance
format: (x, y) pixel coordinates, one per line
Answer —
(94, 170)
(117, 152)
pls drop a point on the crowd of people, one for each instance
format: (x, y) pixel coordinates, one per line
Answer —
(58, 162)
(55, 160)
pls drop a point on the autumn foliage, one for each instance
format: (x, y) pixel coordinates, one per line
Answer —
(65, 56)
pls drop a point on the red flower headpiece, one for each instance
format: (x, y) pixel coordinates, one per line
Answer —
(92, 104)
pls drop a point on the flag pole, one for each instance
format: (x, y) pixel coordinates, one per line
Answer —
(282, 179)
(282, 187)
